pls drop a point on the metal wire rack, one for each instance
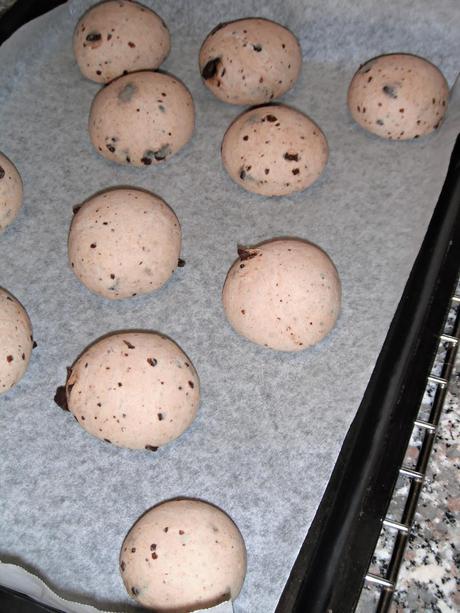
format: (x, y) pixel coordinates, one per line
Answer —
(424, 429)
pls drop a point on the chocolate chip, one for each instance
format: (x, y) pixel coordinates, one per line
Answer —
(379, 122)
(242, 174)
(153, 547)
(99, 72)
(110, 147)
(295, 171)
(151, 448)
(271, 118)
(23, 356)
(291, 157)
(245, 137)
(34, 344)
(134, 591)
(107, 440)
(181, 263)
(131, 44)
(60, 398)
(257, 48)
(9, 358)
(160, 416)
(146, 160)
(122, 566)
(93, 37)
(152, 361)
(191, 384)
(210, 69)
(389, 90)
(93, 245)
(181, 532)
(245, 254)
(2, 173)
(76, 208)
(129, 345)
(154, 556)
(165, 529)
(112, 276)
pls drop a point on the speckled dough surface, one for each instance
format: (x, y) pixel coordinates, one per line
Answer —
(283, 294)
(250, 61)
(274, 150)
(15, 341)
(270, 424)
(133, 389)
(183, 555)
(10, 192)
(398, 96)
(116, 37)
(124, 242)
(142, 118)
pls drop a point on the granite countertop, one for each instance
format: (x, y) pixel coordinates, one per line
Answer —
(429, 579)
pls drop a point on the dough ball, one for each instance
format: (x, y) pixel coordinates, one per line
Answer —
(183, 555)
(250, 61)
(116, 37)
(124, 242)
(274, 150)
(398, 96)
(16, 341)
(141, 119)
(10, 192)
(284, 294)
(133, 389)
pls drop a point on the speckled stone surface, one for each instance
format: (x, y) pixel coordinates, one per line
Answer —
(429, 578)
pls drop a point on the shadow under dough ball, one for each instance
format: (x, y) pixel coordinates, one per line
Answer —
(124, 242)
(10, 192)
(16, 341)
(183, 555)
(116, 37)
(141, 119)
(398, 96)
(132, 389)
(274, 150)
(284, 294)
(250, 61)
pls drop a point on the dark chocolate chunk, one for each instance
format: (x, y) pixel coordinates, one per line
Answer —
(9, 358)
(34, 344)
(257, 48)
(60, 398)
(151, 448)
(271, 118)
(191, 384)
(181, 263)
(390, 90)
(2, 173)
(291, 157)
(110, 147)
(107, 440)
(131, 44)
(210, 69)
(245, 254)
(152, 361)
(93, 37)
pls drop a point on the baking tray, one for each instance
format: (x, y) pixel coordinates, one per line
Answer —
(333, 561)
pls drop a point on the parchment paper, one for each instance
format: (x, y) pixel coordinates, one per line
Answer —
(271, 424)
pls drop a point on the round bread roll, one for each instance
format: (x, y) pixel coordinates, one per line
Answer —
(124, 242)
(133, 389)
(274, 150)
(10, 192)
(183, 555)
(284, 294)
(16, 341)
(250, 61)
(116, 37)
(398, 96)
(141, 119)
